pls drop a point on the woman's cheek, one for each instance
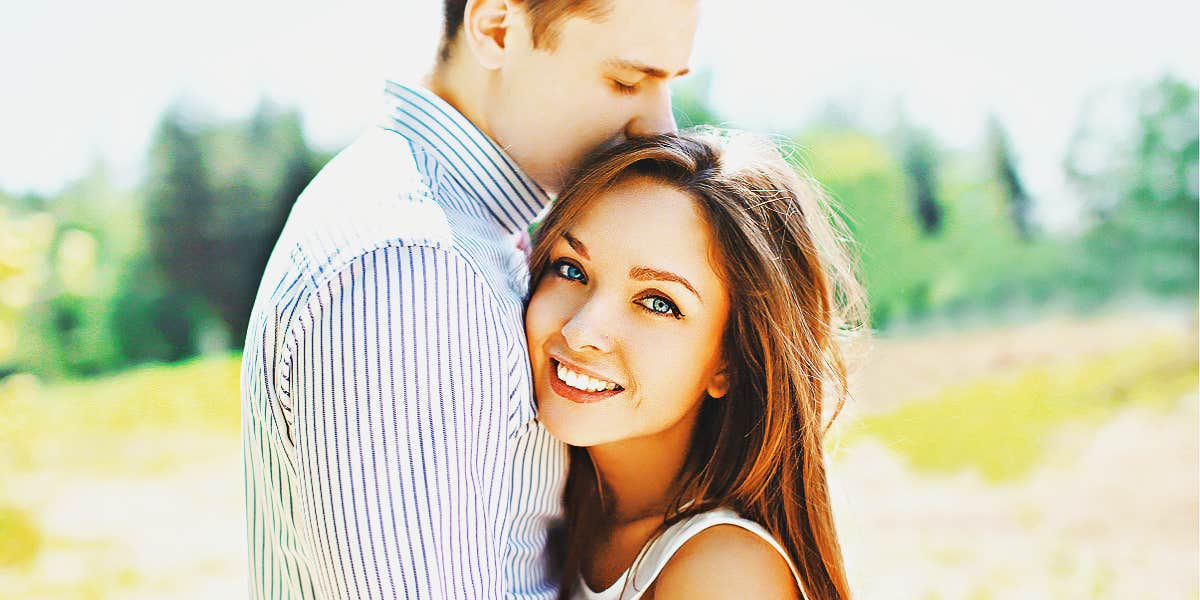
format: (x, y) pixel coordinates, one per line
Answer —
(676, 366)
(541, 313)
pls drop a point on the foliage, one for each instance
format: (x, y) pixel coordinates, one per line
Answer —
(219, 197)
(975, 264)
(1141, 186)
(60, 287)
(919, 158)
(97, 278)
(24, 247)
(1004, 162)
(961, 244)
(867, 185)
(178, 217)
(1000, 426)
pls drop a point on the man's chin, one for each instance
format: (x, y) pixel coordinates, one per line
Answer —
(602, 147)
(611, 143)
(553, 181)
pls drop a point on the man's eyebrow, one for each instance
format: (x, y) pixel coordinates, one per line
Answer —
(633, 65)
(651, 274)
(576, 244)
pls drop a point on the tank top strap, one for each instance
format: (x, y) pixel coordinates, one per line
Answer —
(655, 557)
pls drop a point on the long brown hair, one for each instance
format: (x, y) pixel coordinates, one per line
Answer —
(794, 299)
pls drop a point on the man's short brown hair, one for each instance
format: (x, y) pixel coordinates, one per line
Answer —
(546, 17)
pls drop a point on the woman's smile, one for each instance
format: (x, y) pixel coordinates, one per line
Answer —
(576, 386)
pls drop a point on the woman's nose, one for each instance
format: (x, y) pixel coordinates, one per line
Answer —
(586, 330)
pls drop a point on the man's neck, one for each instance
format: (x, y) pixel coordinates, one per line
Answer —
(462, 87)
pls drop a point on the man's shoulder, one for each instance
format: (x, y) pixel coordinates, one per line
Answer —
(370, 196)
(374, 183)
(372, 208)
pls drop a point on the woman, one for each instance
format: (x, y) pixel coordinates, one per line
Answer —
(688, 298)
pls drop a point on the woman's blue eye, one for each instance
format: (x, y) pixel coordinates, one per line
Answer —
(660, 305)
(569, 271)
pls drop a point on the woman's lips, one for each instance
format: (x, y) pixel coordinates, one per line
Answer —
(576, 395)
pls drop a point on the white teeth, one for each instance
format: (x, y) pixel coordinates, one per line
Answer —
(583, 382)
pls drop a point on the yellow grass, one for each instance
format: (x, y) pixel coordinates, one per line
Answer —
(999, 425)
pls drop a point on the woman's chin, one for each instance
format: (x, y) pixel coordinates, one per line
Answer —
(556, 415)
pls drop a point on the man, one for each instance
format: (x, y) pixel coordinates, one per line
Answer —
(390, 441)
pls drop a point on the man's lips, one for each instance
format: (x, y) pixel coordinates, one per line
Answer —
(561, 388)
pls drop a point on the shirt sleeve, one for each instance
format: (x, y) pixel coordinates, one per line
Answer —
(400, 387)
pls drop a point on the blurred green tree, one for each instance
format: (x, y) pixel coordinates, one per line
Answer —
(1139, 184)
(25, 241)
(98, 277)
(1004, 163)
(87, 231)
(866, 187)
(920, 162)
(975, 268)
(219, 196)
(267, 165)
(180, 206)
(70, 331)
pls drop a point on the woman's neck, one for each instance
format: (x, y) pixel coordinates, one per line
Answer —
(638, 476)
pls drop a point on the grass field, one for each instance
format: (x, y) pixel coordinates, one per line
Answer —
(123, 487)
(1052, 460)
(1000, 425)
(1068, 477)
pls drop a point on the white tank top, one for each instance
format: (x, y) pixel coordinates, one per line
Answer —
(656, 554)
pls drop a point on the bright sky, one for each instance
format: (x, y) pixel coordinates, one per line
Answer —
(89, 80)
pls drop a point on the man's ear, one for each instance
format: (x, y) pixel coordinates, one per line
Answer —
(486, 26)
(719, 384)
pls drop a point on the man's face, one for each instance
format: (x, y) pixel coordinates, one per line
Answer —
(604, 80)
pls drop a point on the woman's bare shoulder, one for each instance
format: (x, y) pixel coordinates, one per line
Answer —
(726, 561)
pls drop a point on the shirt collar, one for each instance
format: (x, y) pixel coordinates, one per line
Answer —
(475, 163)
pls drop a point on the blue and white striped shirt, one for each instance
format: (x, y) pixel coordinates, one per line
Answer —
(389, 435)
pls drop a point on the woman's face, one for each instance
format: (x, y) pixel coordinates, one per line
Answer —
(625, 325)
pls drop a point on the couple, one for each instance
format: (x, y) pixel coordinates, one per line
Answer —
(630, 408)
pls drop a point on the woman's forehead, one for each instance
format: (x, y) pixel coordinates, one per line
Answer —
(645, 223)
(641, 208)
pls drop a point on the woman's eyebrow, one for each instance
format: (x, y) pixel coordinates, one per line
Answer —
(651, 274)
(576, 244)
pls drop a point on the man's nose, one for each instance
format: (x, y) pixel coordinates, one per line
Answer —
(656, 116)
